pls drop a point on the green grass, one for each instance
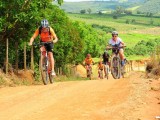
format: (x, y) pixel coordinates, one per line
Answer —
(136, 57)
(119, 24)
(131, 34)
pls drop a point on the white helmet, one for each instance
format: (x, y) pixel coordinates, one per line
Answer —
(114, 33)
(44, 23)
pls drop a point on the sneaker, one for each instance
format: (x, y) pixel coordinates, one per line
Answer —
(53, 73)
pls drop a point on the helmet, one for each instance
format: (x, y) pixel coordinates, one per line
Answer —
(88, 55)
(114, 33)
(44, 23)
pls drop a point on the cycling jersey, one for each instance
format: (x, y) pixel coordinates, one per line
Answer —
(45, 35)
(115, 43)
(88, 61)
(101, 66)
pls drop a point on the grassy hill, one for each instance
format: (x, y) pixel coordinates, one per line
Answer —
(131, 33)
(95, 6)
(152, 6)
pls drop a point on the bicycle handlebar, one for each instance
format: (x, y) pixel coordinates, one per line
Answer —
(108, 48)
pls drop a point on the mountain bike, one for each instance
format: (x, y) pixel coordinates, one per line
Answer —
(89, 71)
(106, 67)
(117, 70)
(45, 67)
(100, 74)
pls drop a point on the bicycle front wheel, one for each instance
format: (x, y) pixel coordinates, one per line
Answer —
(44, 70)
(115, 67)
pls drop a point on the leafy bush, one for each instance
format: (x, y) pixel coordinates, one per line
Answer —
(153, 67)
(83, 11)
(103, 27)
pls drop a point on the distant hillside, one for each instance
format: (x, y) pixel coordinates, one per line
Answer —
(152, 6)
(95, 6)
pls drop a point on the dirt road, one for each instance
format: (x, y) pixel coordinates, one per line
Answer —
(130, 98)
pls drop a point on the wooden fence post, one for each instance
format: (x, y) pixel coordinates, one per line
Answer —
(25, 56)
(16, 46)
(32, 59)
(6, 56)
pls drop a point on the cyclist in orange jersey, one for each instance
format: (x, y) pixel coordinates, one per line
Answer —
(100, 67)
(88, 61)
(47, 34)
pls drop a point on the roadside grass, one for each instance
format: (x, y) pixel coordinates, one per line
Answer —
(137, 57)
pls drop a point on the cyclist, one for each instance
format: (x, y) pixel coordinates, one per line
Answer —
(47, 34)
(106, 61)
(115, 41)
(88, 62)
(100, 68)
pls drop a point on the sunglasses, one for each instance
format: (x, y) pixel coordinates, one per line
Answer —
(114, 36)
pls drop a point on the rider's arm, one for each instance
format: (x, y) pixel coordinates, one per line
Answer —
(34, 36)
(55, 39)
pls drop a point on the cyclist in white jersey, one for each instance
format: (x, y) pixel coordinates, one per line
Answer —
(115, 41)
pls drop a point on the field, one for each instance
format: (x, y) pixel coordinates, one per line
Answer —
(96, 6)
(131, 33)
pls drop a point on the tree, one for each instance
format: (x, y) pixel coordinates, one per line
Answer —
(89, 10)
(83, 11)
(119, 10)
(128, 12)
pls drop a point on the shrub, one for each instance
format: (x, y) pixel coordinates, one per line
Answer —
(153, 67)
(83, 11)
(127, 21)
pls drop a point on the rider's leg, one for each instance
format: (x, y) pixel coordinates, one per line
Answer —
(43, 52)
(105, 72)
(121, 54)
(99, 73)
(51, 59)
(49, 48)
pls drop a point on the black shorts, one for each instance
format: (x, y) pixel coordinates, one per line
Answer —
(49, 47)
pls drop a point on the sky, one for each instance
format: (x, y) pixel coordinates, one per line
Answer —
(76, 0)
(81, 0)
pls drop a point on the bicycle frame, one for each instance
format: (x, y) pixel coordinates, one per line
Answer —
(45, 64)
(89, 71)
(116, 67)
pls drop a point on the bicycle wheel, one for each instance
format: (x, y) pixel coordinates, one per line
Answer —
(89, 74)
(44, 70)
(115, 67)
(123, 70)
(107, 70)
(51, 78)
(101, 74)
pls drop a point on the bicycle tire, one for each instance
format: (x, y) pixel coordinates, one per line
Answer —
(89, 74)
(115, 67)
(107, 71)
(123, 71)
(51, 78)
(44, 70)
(101, 74)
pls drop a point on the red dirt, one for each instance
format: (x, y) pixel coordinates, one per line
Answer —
(130, 98)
